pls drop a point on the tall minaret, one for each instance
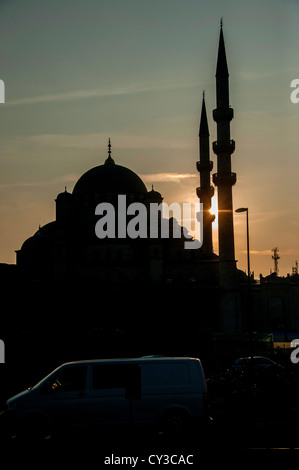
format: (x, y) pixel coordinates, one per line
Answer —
(224, 179)
(205, 192)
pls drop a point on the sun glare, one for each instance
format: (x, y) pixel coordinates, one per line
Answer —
(214, 211)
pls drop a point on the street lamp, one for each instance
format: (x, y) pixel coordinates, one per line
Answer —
(245, 209)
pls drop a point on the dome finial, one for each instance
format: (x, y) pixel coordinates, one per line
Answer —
(109, 160)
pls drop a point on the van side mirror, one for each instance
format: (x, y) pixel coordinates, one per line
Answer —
(52, 387)
(133, 382)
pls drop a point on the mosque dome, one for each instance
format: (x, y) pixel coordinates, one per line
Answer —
(109, 178)
(154, 196)
(64, 196)
(40, 237)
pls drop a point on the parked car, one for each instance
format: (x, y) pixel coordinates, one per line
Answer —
(259, 362)
(168, 393)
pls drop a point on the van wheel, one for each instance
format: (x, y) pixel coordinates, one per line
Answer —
(33, 427)
(174, 423)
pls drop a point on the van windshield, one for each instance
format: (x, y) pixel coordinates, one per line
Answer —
(66, 379)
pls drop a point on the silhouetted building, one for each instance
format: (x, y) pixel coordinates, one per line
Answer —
(276, 304)
(68, 247)
(68, 251)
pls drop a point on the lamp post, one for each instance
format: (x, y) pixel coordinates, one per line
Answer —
(245, 209)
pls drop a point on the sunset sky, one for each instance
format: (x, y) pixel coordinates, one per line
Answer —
(77, 73)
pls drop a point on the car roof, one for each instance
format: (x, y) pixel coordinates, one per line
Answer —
(253, 357)
(130, 360)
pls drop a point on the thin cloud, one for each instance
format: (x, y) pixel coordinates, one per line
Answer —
(100, 140)
(73, 177)
(69, 178)
(98, 92)
(167, 177)
(270, 252)
(258, 252)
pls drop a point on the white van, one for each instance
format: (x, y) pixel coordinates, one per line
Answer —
(167, 392)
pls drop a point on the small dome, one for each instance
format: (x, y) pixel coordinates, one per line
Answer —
(39, 237)
(154, 195)
(30, 243)
(64, 196)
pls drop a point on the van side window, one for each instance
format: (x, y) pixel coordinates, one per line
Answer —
(165, 374)
(109, 376)
(70, 379)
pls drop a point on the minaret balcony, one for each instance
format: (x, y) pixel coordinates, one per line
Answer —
(226, 148)
(223, 114)
(205, 192)
(228, 179)
(204, 166)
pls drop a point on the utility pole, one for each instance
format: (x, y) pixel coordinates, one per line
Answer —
(295, 268)
(275, 257)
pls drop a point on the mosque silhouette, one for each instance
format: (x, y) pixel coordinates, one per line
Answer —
(67, 251)
(70, 280)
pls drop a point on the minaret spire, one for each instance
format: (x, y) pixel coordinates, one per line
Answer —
(109, 160)
(203, 127)
(222, 87)
(222, 68)
(205, 192)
